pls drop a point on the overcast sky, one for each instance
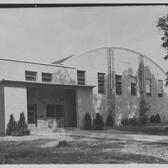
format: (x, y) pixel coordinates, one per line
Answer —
(48, 34)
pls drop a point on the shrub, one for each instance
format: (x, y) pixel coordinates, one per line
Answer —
(12, 125)
(152, 119)
(144, 107)
(22, 126)
(88, 121)
(157, 118)
(98, 123)
(129, 121)
(110, 121)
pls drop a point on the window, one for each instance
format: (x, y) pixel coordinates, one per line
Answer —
(81, 77)
(118, 84)
(148, 87)
(133, 86)
(59, 111)
(30, 75)
(160, 88)
(46, 77)
(101, 82)
(51, 110)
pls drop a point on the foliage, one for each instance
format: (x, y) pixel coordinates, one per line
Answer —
(12, 125)
(110, 121)
(129, 121)
(98, 123)
(163, 25)
(22, 126)
(152, 119)
(157, 118)
(17, 129)
(144, 107)
(88, 121)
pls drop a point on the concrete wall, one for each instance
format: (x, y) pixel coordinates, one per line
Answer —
(126, 63)
(15, 70)
(15, 102)
(84, 104)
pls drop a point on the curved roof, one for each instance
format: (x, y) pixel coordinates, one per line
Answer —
(66, 59)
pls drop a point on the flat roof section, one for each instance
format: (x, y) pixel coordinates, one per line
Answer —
(38, 84)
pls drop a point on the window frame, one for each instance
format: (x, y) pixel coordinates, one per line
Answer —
(30, 77)
(81, 79)
(50, 116)
(118, 85)
(148, 93)
(101, 83)
(160, 94)
(49, 78)
(133, 88)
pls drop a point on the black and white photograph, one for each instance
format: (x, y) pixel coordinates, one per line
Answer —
(83, 83)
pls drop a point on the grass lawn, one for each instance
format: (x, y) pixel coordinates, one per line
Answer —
(82, 151)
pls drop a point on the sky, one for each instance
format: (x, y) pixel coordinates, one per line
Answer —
(48, 34)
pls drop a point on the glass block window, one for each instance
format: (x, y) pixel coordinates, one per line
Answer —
(46, 77)
(118, 85)
(30, 75)
(160, 88)
(81, 77)
(101, 83)
(148, 87)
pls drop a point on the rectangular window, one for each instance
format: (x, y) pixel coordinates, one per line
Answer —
(81, 77)
(51, 110)
(30, 75)
(101, 83)
(133, 86)
(46, 77)
(118, 84)
(160, 88)
(148, 87)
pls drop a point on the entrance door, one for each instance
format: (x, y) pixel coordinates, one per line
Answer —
(60, 115)
(32, 114)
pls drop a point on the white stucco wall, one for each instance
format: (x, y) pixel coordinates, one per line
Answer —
(15, 99)
(126, 63)
(15, 70)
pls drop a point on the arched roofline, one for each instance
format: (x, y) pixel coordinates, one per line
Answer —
(118, 48)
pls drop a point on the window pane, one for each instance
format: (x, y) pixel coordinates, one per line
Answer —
(30, 75)
(46, 77)
(101, 83)
(118, 84)
(50, 110)
(148, 87)
(81, 77)
(160, 88)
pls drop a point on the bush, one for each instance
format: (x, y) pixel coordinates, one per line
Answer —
(98, 123)
(88, 121)
(144, 107)
(129, 121)
(110, 121)
(157, 118)
(12, 126)
(22, 126)
(17, 129)
(152, 119)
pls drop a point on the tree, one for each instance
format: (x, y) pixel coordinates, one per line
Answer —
(144, 107)
(163, 25)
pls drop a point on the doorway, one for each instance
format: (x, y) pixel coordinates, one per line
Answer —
(32, 114)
